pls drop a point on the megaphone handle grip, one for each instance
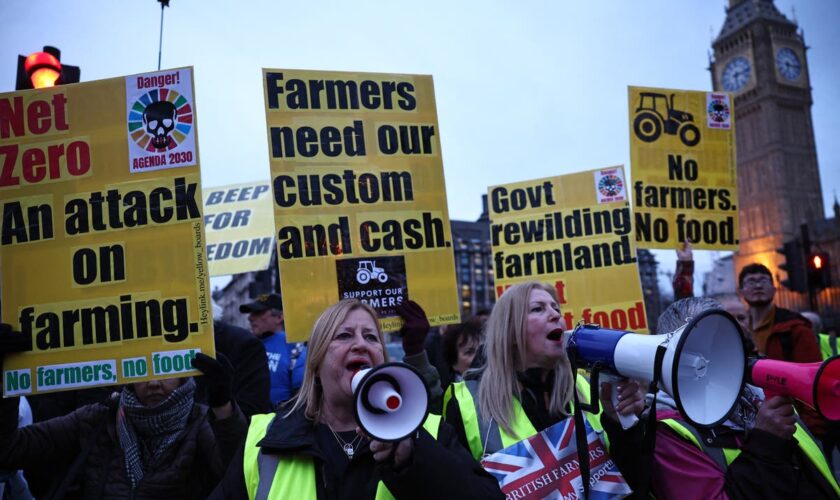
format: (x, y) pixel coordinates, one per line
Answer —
(770, 393)
(627, 421)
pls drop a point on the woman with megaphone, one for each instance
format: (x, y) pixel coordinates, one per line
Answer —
(526, 388)
(761, 450)
(313, 447)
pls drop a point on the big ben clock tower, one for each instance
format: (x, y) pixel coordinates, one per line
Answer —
(760, 57)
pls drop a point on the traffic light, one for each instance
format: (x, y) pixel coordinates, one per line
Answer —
(793, 266)
(44, 69)
(819, 270)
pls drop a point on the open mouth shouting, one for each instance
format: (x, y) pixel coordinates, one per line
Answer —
(354, 365)
(555, 335)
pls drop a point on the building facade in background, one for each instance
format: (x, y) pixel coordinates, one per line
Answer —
(721, 280)
(760, 56)
(474, 263)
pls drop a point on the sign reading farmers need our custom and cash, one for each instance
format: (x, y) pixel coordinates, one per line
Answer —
(359, 198)
(103, 252)
(685, 183)
(573, 232)
(239, 222)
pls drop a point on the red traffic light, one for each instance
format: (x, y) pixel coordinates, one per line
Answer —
(819, 270)
(43, 69)
(817, 261)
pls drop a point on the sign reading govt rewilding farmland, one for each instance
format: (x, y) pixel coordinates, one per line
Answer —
(239, 222)
(573, 232)
(102, 240)
(359, 197)
(685, 183)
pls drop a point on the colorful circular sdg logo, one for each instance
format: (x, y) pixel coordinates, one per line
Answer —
(160, 120)
(610, 185)
(718, 110)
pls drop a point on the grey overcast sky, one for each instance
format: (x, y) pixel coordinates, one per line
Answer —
(525, 89)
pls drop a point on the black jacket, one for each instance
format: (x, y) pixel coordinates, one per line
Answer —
(42, 475)
(768, 467)
(438, 469)
(88, 438)
(251, 382)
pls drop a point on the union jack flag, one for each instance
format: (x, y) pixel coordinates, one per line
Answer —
(546, 466)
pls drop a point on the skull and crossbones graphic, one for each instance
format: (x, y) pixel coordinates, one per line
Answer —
(159, 120)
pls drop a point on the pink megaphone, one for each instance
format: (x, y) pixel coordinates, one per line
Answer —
(816, 384)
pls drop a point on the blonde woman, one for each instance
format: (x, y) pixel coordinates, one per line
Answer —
(311, 447)
(527, 382)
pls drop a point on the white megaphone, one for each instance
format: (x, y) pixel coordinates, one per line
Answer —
(391, 401)
(702, 363)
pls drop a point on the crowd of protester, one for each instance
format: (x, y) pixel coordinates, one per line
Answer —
(272, 419)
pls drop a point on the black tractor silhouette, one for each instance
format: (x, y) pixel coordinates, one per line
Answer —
(650, 121)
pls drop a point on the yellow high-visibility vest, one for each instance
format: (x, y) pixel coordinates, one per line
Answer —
(486, 437)
(292, 476)
(725, 456)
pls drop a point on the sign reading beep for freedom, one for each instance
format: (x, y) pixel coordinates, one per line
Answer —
(359, 198)
(103, 250)
(239, 223)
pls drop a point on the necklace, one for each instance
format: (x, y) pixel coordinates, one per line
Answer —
(349, 448)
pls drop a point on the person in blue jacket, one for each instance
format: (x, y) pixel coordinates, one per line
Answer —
(286, 361)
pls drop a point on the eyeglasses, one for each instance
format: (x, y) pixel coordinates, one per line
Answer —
(757, 282)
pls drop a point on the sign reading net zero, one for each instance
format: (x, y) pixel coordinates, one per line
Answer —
(102, 240)
(239, 222)
(685, 183)
(573, 232)
(359, 198)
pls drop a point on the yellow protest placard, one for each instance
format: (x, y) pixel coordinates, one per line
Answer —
(103, 251)
(685, 182)
(359, 197)
(239, 222)
(573, 232)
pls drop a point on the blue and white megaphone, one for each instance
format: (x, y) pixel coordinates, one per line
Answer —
(391, 401)
(701, 365)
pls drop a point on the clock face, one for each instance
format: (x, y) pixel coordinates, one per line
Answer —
(736, 74)
(788, 63)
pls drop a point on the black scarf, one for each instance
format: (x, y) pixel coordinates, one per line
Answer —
(536, 387)
(145, 433)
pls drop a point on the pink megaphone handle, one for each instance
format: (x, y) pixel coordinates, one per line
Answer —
(783, 378)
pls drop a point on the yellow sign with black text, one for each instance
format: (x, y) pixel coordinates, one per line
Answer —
(359, 196)
(685, 181)
(239, 221)
(573, 232)
(103, 253)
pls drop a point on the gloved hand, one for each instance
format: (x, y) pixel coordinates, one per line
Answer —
(415, 328)
(219, 373)
(12, 341)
